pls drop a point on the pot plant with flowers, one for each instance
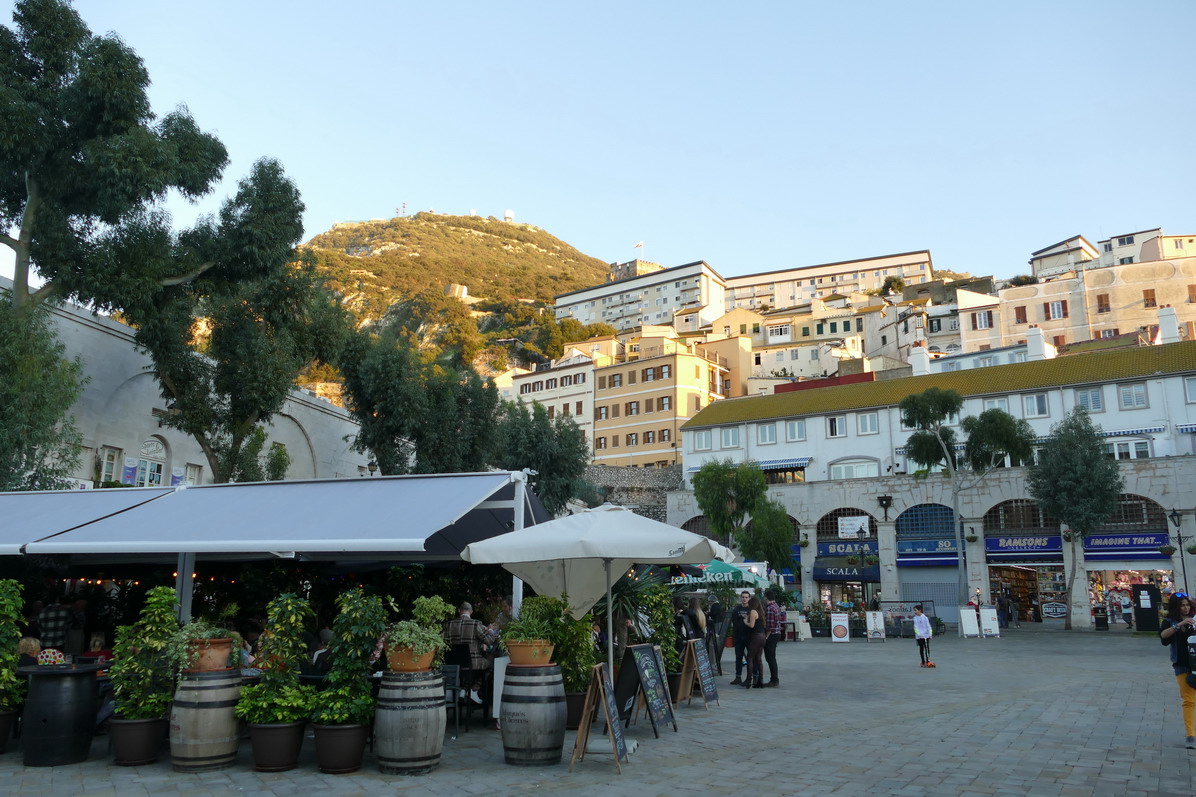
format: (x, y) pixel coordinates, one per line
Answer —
(344, 711)
(278, 707)
(529, 638)
(415, 645)
(142, 677)
(12, 687)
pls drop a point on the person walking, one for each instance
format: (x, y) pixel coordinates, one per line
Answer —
(923, 634)
(1127, 610)
(1178, 632)
(775, 626)
(740, 634)
(757, 626)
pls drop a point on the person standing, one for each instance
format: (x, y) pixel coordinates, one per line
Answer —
(55, 622)
(741, 635)
(775, 627)
(923, 633)
(757, 627)
(1113, 603)
(697, 617)
(714, 628)
(1177, 632)
(1127, 610)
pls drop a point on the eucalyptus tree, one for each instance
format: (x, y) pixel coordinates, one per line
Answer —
(555, 448)
(734, 500)
(989, 439)
(1076, 481)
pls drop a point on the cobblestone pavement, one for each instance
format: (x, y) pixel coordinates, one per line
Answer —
(1037, 712)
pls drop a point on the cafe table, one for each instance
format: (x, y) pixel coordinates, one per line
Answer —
(60, 713)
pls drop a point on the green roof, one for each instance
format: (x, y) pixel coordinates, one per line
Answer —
(1077, 369)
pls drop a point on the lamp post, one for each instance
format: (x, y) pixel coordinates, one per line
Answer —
(885, 501)
(863, 535)
(373, 467)
(1176, 517)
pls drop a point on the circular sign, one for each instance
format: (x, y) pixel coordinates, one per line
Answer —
(839, 631)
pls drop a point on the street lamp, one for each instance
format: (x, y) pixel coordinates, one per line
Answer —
(1176, 517)
(863, 535)
(885, 501)
(373, 467)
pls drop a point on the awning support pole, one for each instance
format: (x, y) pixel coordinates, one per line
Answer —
(517, 525)
(610, 625)
(184, 585)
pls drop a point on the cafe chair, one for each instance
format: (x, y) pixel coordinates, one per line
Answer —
(453, 695)
(459, 656)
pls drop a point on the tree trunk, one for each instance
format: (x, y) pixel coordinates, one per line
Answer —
(1071, 577)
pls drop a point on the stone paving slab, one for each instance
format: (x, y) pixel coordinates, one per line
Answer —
(1041, 712)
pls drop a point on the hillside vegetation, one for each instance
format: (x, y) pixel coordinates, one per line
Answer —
(375, 264)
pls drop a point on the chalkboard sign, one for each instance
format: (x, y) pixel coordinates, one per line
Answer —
(600, 692)
(705, 674)
(642, 672)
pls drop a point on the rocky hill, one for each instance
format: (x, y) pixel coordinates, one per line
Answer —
(377, 263)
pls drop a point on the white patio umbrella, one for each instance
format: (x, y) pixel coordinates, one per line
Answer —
(576, 555)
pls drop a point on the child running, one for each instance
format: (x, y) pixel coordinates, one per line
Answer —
(923, 633)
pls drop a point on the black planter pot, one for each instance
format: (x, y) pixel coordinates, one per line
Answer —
(674, 685)
(825, 631)
(276, 745)
(136, 742)
(7, 720)
(340, 748)
(574, 703)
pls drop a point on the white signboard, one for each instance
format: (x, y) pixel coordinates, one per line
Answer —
(849, 527)
(840, 632)
(967, 621)
(876, 625)
(989, 626)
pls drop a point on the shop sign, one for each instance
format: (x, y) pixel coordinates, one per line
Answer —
(1044, 544)
(1054, 610)
(851, 526)
(710, 578)
(796, 550)
(846, 548)
(925, 546)
(848, 573)
(1125, 542)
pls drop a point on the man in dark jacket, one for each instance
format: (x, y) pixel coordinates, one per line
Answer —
(741, 634)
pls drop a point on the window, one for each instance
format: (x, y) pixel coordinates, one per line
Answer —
(1124, 261)
(649, 437)
(794, 354)
(982, 362)
(550, 385)
(1132, 397)
(1179, 243)
(614, 410)
(796, 430)
(743, 329)
(600, 413)
(633, 439)
(936, 325)
(1192, 294)
(755, 329)
(666, 371)
(997, 404)
(1102, 303)
(193, 474)
(600, 443)
(780, 356)
(805, 332)
(867, 423)
(1148, 299)
(1127, 240)
(1109, 333)
(109, 464)
(551, 412)
(953, 365)
(565, 409)
(525, 388)
(819, 329)
(151, 464)
(666, 403)
(649, 404)
(982, 320)
(649, 374)
(1035, 405)
(730, 437)
(1019, 315)
(616, 380)
(577, 408)
(614, 441)
(631, 377)
(834, 327)
(814, 353)
(782, 331)
(665, 435)
(766, 433)
(633, 408)
(756, 358)
(1128, 449)
(1108, 247)
(1052, 311)
(566, 381)
(1090, 399)
(602, 383)
(836, 426)
(855, 469)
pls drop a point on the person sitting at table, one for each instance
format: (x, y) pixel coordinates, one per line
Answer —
(27, 650)
(464, 630)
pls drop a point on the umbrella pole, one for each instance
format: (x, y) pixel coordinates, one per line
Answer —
(610, 625)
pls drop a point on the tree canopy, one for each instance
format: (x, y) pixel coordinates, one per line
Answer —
(84, 162)
(555, 448)
(1075, 481)
(734, 500)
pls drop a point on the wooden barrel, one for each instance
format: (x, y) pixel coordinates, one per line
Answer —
(533, 715)
(409, 723)
(204, 732)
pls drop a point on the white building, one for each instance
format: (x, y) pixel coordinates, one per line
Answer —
(835, 452)
(564, 387)
(793, 286)
(646, 295)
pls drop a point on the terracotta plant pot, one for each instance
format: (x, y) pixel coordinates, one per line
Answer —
(405, 660)
(340, 748)
(535, 653)
(136, 742)
(209, 655)
(276, 745)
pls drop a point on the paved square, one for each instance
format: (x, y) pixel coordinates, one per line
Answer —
(1036, 712)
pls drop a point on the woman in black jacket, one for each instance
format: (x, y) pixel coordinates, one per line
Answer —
(1178, 631)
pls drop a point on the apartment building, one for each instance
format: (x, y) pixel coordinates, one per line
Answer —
(642, 293)
(1077, 254)
(835, 457)
(566, 385)
(793, 286)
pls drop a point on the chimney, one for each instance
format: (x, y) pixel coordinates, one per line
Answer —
(919, 359)
(1035, 345)
(1168, 325)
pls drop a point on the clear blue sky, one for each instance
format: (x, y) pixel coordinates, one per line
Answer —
(751, 135)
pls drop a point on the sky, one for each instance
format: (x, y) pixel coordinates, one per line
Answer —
(754, 136)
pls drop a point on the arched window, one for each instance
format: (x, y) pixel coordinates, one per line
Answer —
(926, 522)
(151, 464)
(828, 526)
(1134, 513)
(698, 525)
(1018, 515)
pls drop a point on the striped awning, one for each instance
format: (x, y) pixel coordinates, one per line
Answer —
(773, 464)
(1124, 432)
(901, 451)
(1186, 428)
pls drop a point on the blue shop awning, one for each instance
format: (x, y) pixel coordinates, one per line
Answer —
(773, 464)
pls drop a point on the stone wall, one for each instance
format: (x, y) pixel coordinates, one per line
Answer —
(644, 489)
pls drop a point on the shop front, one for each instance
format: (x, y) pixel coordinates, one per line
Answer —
(928, 558)
(1116, 563)
(840, 583)
(846, 567)
(1028, 570)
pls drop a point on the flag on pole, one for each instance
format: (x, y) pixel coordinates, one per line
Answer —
(640, 245)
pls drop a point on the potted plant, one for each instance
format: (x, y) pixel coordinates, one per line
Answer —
(343, 712)
(1167, 550)
(202, 646)
(871, 559)
(12, 687)
(142, 677)
(277, 708)
(415, 645)
(853, 559)
(971, 538)
(1191, 549)
(573, 648)
(527, 641)
(805, 543)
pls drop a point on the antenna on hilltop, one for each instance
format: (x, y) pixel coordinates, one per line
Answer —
(401, 211)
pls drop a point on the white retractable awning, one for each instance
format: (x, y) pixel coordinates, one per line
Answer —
(27, 517)
(400, 514)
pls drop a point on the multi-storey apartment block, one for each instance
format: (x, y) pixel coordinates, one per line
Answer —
(566, 385)
(642, 293)
(790, 287)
